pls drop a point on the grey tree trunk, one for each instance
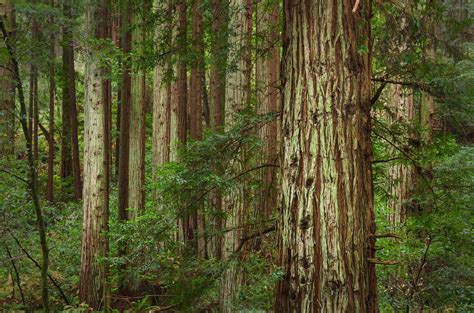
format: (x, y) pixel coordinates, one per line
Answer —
(94, 289)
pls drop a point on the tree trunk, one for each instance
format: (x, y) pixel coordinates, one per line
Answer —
(267, 84)
(401, 177)
(52, 92)
(125, 104)
(70, 140)
(195, 220)
(327, 195)
(7, 86)
(161, 95)
(237, 95)
(93, 275)
(136, 196)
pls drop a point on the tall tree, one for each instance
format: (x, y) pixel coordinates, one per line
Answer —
(93, 275)
(52, 92)
(125, 103)
(136, 197)
(161, 89)
(267, 85)
(7, 85)
(401, 177)
(237, 95)
(69, 107)
(327, 219)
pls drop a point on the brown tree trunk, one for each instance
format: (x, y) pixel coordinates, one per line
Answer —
(70, 140)
(7, 86)
(34, 83)
(93, 275)
(125, 104)
(195, 220)
(181, 97)
(327, 196)
(52, 92)
(267, 85)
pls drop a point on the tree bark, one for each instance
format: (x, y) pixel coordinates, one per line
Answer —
(125, 104)
(52, 92)
(70, 140)
(7, 85)
(327, 196)
(401, 177)
(267, 85)
(195, 220)
(136, 196)
(94, 288)
(237, 95)
(161, 93)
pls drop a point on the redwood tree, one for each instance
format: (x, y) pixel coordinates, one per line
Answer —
(327, 214)
(93, 274)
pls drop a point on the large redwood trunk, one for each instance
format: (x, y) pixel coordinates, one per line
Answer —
(327, 197)
(237, 93)
(94, 288)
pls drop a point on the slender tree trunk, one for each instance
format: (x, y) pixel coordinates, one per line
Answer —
(125, 104)
(7, 86)
(268, 81)
(136, 197)
(32, 184)
(94, 287)
(181, 97)
(70, 133)
(195, 220)
(401, 177)
(327, 196)
(237, 96)
(161, 93)
(34, 84)
(217, 103)
(52, 92)
(125, 109)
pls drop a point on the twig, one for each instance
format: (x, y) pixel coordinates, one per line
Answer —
(55, 283)
(16, 176)
(252, 236)
(17, 274)
(388, 235)
(382, 262)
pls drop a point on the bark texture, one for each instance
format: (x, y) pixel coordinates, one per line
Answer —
(161, 93)
(327, 195)
(70, 140)
(237, 93)
(401, 177)
(267, 85)
(93, 274)
(136, 196)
